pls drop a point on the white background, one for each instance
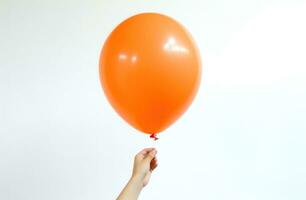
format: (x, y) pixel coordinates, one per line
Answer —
(244, 136)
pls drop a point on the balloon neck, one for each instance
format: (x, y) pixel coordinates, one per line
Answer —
(153, 136)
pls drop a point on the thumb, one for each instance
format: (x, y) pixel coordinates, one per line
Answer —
(150, 155)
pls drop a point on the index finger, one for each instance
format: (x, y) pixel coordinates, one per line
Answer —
(145, 151)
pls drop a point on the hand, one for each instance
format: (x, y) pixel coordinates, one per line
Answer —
(144, 163)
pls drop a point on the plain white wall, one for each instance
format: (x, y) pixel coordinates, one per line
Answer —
(244, 136)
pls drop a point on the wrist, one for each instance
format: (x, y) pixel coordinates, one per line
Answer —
(137, 180)
(138, 175)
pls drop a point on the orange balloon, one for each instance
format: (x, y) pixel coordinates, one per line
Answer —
(150, 71)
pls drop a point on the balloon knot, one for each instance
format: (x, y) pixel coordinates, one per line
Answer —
(153, 136)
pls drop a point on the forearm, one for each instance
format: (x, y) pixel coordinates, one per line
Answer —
(131, 190)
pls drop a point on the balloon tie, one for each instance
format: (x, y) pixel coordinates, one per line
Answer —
(153, 136)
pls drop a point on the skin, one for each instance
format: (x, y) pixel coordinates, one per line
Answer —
(144, 164)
